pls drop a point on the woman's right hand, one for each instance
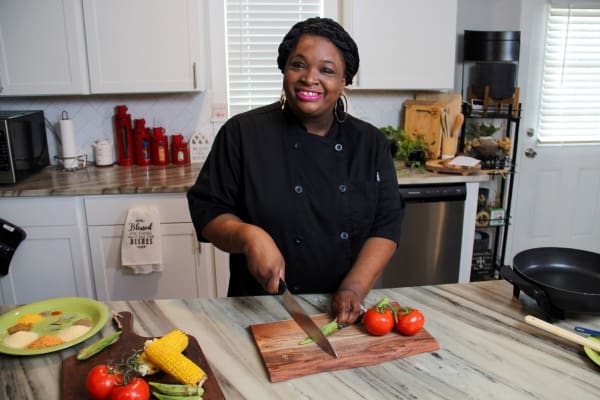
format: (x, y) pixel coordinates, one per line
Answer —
(265, 261)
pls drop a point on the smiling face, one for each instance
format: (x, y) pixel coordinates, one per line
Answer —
(313, 80)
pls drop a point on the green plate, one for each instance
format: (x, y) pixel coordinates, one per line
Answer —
(72, 308)
(593, 354)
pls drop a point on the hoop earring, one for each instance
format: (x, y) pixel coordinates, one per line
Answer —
(339, 110)
(282, 100)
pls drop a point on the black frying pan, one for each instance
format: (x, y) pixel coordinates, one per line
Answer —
(559, 279)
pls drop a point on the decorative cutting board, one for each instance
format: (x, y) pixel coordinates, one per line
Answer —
(74, 372)
(442, 166)
(286, 359)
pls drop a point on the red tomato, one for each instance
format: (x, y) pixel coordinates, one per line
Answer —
(410, 321)
(101, 380)
(136, 389)
(377, 322)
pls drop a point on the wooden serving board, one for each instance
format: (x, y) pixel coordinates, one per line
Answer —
(443, 167)
(286, 359)
(74, 372)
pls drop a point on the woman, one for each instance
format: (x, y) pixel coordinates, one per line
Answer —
(299, 189)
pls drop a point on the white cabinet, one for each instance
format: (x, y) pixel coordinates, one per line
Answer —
(57, 47)
(403, 44)
(42, 48)
(52, 261)
(143, 45)
(188, 269)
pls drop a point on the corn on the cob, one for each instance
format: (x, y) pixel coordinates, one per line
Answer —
(176, 340)
(174, 363)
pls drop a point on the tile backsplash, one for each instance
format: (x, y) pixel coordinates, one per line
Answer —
(185, 113)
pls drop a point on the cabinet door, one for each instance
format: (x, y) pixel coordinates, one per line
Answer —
(42, 50)
(403, 44)
(143, 45)
(187, 270)
(48, 263)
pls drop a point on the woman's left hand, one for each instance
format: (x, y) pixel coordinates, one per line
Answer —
(347, 305)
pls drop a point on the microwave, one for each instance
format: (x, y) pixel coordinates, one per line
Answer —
(23, 144)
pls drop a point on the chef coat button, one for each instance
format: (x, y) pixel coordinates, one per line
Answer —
(299, 240)
(344, 235)
(342, 188)
(298, 189)
(296, 289)
(296, 146)
(338, 147)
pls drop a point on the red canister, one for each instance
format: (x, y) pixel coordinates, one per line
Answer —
(124, 136)
(160, 147)
(179, 150)
(141, 136)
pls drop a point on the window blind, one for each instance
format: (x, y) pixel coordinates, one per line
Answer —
(570, 98)
(254, 30)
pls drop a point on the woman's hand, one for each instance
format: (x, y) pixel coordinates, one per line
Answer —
(265, 261)
(347, 305)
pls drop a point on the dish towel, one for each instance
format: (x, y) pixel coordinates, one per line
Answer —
(141, 247)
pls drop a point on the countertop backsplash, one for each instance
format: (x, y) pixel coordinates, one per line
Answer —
(185, 113)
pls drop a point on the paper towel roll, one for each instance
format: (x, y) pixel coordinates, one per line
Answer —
(67, 136)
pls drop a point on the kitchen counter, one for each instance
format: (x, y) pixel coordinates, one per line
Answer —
(158, 179)
(487, 351)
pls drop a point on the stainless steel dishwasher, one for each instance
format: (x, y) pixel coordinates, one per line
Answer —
(430, 241)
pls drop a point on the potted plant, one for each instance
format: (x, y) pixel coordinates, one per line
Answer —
(411, 150)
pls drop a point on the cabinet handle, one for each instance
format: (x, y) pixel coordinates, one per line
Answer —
(195, 76)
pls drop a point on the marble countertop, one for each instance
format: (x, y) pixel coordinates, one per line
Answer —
(487, 351)
(115, 179)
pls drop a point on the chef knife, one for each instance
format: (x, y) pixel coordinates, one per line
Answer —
(303, 319)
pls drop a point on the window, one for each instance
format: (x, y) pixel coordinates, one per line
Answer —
(570, 99)
(254, 30)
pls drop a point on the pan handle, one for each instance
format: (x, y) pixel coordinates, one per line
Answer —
(535, 291)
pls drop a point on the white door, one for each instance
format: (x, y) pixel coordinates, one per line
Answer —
(557, 187)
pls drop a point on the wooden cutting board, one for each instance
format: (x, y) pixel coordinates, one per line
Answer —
(443, 167)
(74, 372)
(286, 359)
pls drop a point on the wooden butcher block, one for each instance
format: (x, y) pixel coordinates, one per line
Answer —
(286, 359)
(74, 372)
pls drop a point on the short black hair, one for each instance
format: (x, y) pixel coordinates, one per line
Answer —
(329, 29)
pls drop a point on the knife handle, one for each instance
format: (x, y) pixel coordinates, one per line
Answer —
(282, 286)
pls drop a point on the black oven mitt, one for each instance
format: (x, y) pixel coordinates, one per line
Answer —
(10, 238)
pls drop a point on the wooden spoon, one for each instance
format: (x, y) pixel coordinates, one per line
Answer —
(573, 337)
(458, 121)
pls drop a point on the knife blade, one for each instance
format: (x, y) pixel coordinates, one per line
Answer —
(305, 322)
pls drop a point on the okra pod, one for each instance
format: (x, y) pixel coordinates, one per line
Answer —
(161, 396)
(97, 346)
(327, 330)
(183, 391)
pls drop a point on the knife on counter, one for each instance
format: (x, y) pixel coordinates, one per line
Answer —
(303, 319)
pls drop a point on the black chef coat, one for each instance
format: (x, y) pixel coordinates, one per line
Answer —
(320, 198)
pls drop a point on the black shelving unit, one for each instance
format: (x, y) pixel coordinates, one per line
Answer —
(489, 255)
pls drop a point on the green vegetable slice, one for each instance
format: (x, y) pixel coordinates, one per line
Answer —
(97, 346)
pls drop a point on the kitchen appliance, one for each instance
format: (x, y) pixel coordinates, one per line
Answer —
(429, 246)
(11, 237)
(23, 145)
(303, 319)
(558, 279)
